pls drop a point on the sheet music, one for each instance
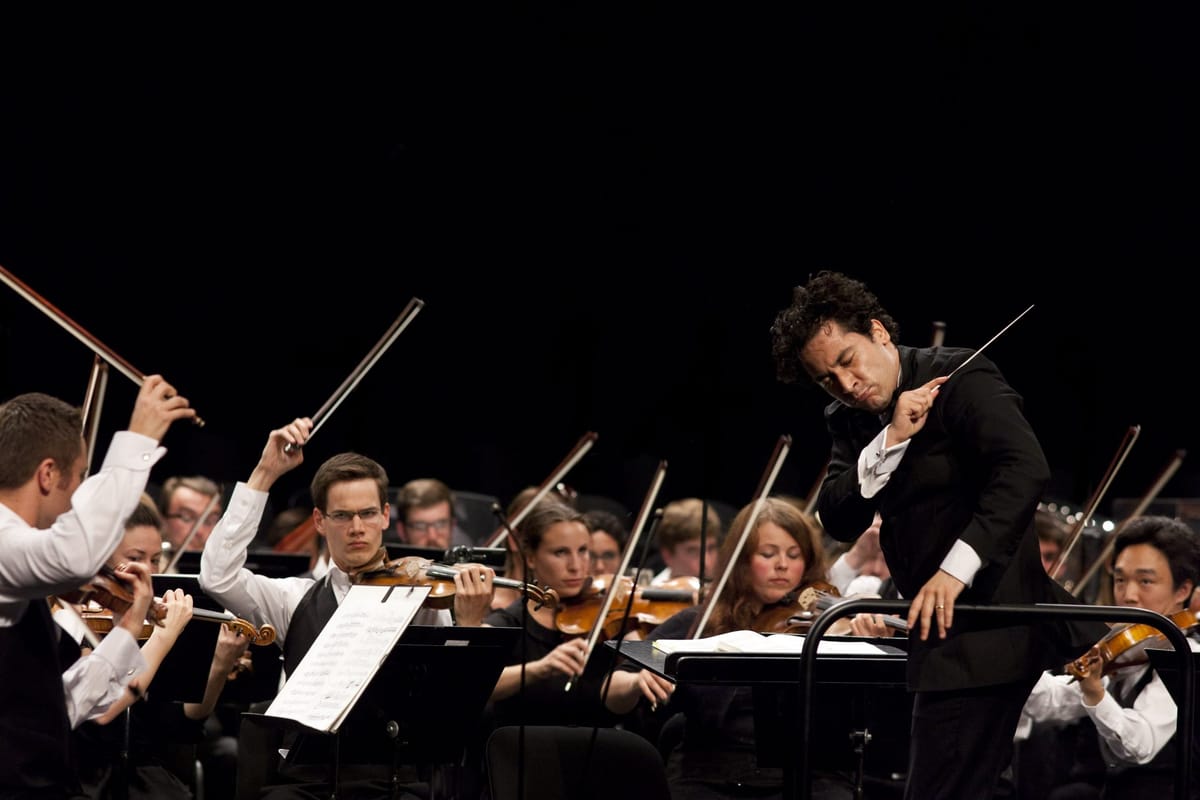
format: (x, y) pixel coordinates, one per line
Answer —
(755, 642)
(346, 655)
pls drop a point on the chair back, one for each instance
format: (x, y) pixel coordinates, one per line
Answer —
(580, 763)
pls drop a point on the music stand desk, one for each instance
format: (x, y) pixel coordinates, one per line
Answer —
(271, 563)
(749, 669)
(414, 708)
(183, 674)
(865, 693)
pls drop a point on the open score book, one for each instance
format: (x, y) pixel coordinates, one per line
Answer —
(763, 643)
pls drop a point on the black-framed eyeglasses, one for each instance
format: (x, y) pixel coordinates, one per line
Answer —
(367, 515)
(440, 525)
(190, 517)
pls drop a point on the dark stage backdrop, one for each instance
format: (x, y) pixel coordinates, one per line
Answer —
(603, 212)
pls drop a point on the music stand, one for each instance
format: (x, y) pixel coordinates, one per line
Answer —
(402, 550)
(488, 556)
(261, 562)
(863, 712)
(413, 710)
(1166, 664)
(184, 672)
(862, 698)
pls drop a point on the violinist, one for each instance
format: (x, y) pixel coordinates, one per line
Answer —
(350, 512)
(862, 571)
(182, 500)
(425, 515)
(556, 544)
(679, 539)
(1052, 535)
(514, 564)
(1131, 715)
(861, 568)
(158, 730)
(58, 528)
(715, 755)
(936, 440)
(609, 537)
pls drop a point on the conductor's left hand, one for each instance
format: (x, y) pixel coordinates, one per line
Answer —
(934, 604)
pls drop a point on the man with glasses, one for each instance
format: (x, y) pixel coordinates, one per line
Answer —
(350, 511)
(183, 500)
(425, 515)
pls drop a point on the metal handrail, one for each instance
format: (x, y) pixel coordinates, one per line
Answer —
(1186, 711)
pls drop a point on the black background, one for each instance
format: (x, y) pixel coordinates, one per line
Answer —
(603, 208)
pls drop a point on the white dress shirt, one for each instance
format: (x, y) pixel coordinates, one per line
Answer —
(876, 463)
(1128, 736)
(97, 680)
(37, 563)
(258, 598)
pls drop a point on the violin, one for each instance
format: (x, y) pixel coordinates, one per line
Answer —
(1125, 646)
(100, 622)
(649, 607)
(795, 612)
(109, 592)
(417, 571)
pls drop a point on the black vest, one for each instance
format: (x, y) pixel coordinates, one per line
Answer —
(1150, 781)
(34, 729)
(359, 754)
(316, 608)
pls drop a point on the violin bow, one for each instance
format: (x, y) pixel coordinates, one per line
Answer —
(764, 489)
(76, 330)
(606, 606)
(939, 333)
(810, 502)
(577, 452)
(1106, 553)
(93, 401)
(1131, 436)
(88, 634)
(354, 378)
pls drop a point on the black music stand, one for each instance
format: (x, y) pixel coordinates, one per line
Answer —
(1166, 664)
(493, 557)
(861, 717)
(488, 556)
(260, 562)
(863, 710)
(184, 672)
(402, 550)
(415, 711)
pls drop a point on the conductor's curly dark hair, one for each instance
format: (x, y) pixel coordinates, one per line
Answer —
(827, 297)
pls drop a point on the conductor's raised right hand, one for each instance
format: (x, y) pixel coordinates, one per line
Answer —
(156, 407)
(912, 409)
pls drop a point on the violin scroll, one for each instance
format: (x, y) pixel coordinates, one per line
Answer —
(260, 636)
